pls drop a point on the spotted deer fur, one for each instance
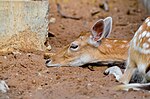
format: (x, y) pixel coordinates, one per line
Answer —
(137, 72)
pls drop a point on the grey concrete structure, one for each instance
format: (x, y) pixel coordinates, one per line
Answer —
(23, 25)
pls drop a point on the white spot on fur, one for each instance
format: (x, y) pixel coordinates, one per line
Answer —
(148, 34)
(145, 45)
(140, 28)
(140, 36)
(147, 20)
(148, 24)
(136, 47)
(108, 45)
(141, 50)
(122, 46)
(149, 40)
(124, 41)
(115, 41)
(140, 40)
(144, 34)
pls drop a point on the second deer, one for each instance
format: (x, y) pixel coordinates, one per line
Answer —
(137, 72)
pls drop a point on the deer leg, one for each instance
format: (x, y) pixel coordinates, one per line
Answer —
(138, 77)
(126, 77)
(129, 71)
(148, 76)
(115, 70)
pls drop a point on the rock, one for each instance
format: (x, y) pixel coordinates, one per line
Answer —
(23, 25)
(52, 20)
(3, 86)
(49, 47)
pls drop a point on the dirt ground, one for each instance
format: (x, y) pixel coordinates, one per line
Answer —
(29, 78)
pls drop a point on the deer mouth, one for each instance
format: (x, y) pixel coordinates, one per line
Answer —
(50, 64)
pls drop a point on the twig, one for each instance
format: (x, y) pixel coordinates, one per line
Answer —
(94, 13)
(51, 34)
(65, 16)
(121, 24)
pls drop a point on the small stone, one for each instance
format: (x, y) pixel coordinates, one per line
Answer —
(28, 54)
(39, 74)
(52, 20)
(5, 57)
(58, 77)
(16, 52)
(33, 82)
(39, 88)
(128, 12)
(48, 47)
(116, 9)
(89, 84)
(3, 86)
(62, 26)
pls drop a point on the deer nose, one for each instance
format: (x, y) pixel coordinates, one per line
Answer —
(47, 61)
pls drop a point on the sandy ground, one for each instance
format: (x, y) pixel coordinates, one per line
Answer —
(29, 78)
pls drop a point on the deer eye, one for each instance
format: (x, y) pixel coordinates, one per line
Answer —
(74, 47)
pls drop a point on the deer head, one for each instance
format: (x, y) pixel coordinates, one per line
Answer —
(88, 48)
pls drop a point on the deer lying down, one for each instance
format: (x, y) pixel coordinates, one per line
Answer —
(137, 72)
(92, 47)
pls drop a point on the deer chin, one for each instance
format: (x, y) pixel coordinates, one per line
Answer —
(84, 59)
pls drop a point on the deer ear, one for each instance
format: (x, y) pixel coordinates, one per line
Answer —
(101, 29)
(97, 30)
(107, 27)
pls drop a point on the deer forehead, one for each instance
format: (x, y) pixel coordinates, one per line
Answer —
(75, 42)
(141, 39)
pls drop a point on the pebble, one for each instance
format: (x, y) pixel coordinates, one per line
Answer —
(3, 86)
(33, 81)
(52, 20)
(49, 47)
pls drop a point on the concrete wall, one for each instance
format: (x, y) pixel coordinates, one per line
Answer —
(23, 25)
(146, 4)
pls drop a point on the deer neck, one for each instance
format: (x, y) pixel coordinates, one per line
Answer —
(113, 50)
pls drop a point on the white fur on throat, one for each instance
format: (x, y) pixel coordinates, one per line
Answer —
(83, 59)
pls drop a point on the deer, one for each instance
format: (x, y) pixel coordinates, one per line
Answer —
(92, 47)
(137, 73)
